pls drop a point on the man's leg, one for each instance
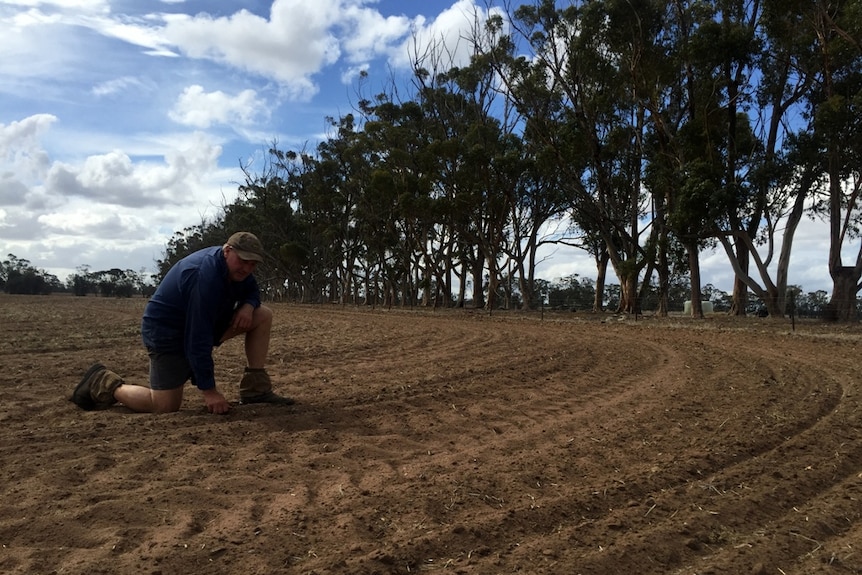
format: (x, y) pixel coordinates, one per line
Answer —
(256, 337)
(255, 386)
(101, 388)
(146, 400)
(169, 373)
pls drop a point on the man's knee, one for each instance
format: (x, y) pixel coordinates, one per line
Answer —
(264, 311)
(262, 314)
(167, 401)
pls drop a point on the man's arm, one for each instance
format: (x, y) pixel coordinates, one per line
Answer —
(242, 318)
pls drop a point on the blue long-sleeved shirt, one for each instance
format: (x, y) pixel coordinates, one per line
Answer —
(192, 308)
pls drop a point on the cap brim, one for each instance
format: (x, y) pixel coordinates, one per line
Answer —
(248, 256)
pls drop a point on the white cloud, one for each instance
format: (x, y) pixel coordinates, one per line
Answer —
(23, 134)
(82, 221)
(22, 159)
(291, 46)
(368, 34)
(34, 17)
(129, 163)
(113, 178)
(12, 190)
(105, 210)
(135, 31)
(32, 182)
(449, 37)
(201, 109)
(115, 86)
(352, 73)
(81, 5)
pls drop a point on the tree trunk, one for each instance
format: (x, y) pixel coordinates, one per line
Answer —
(694, 266)
(629, 294)
(739, 307)
(478, 283)
(601, 278)
(842, 305)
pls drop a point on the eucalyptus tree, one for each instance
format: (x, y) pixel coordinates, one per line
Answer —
(19, 276)
(725, 49)
(595, 126)
(776, 56)
(398, 207)
(265, 205)
(540, 201)
(770, 67)
(476, 154)
(699, 136)
(190, 239)
(446, 112)
(778, 187)
(542, 196)
(333, 189)
(835, 106)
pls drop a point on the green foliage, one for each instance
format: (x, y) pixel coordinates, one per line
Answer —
(19, 276)
(572, 293)
(110, 283)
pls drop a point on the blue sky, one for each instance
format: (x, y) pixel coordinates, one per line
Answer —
(124, 121)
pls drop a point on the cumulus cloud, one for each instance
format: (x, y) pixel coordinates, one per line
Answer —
(32, 181)
(12, 190)
(368, 34)
(293, 44)
(22, 159)
(300, 38)
(113, 178)
(23, 134)
(201, 109)
(130, 204)
(450, 36)
(84, 221)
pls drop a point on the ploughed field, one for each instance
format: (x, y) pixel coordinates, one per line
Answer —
(440, 441)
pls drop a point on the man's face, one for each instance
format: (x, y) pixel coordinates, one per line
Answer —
(237, 268)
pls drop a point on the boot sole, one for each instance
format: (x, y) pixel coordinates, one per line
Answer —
(266, 399)
(81, 396)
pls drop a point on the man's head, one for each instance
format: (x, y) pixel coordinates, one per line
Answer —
(247, 246)
(242, 252)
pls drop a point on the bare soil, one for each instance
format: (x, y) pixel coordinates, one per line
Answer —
(448, 441)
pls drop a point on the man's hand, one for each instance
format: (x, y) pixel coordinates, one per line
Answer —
(216, 403)
(242, 318)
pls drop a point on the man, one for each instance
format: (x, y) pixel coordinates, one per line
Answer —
(205, 299)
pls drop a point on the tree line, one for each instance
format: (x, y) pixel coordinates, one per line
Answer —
(572, 293)
(20, 276)
(641, 131)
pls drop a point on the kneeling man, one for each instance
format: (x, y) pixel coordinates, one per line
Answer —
(205, 299)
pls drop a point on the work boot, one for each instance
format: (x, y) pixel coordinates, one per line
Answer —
(97, 387)
(256, 387)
